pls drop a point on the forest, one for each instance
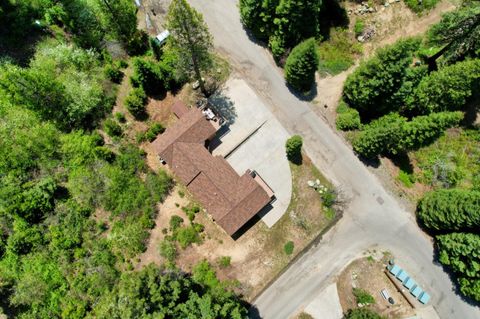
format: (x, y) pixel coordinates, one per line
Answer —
(77, 198)
(416, 102)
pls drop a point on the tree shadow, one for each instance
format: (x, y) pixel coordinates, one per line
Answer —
(332, 15)
(370, 162)
(224, 106)
(402, 161)
(253, 312)
(304, 96)
(20, 51)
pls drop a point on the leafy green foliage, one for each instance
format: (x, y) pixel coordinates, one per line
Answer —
(363, 296)
(362, 313)
(393, 133)
(458, 33)
(190, 39)
(359, 27)
(112, 128)
(151, 133)
(168, 250)
(147, 75)
(406, 179)
(294, 148)
(288, 248)
(135, 102)
(121, 15)
(370, 87)
(347, 118)
(187, 236)
(447, 89)
(114, 73)
(450, 210)
(460, 251)
(175, 222)
(421, 5)
(301, 65)
(151, 292)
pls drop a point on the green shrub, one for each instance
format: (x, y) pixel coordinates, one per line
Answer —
(370, 88)
(147, 74)
(168, 250)
(175, 222)
(450, 210)
(421, 5)
(294, 149)
(301, 65)
(135, 102)
(347, 118)
(187, 236)
(329, 198)
(359, 27)
(120, 117)
(362, 313)
(288, 248)
(181, 194)
(224, 261)
(112, 128)
(114, 73)
(363, 297)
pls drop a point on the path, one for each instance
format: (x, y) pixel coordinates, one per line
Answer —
(373, 217)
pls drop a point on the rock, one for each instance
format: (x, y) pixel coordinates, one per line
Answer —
(311, 183)
(195, 85)
(371, 10)
(386, 5)
(317, 182)
(360, 38)
(391, 1)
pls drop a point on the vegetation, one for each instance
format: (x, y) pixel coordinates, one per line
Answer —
(359, 27)
(347, 118)
(459, 251)
(135, 102)
(371, 88)
(190, 40)
(224, 261)
(288, 248)
(338, 53)
(362, 313)
(421, 5)
(294, 149)
(393, 133)
(450, 210)
(301, 65)
(363, 297)
(75, 212)
(151, 134)
(456, 34)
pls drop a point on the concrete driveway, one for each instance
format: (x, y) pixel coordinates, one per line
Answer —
(256, 141)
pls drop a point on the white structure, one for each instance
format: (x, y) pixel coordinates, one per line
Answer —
(162, 37)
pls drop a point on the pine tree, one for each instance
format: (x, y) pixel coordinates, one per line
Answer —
(301, 65)
(191, 39)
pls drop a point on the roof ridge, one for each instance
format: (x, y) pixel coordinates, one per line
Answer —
(240, 201)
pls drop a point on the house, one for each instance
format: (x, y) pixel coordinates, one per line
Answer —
(232, 200)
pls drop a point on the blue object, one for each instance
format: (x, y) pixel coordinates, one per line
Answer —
(402, 276)
(416, 291)
(424, 297)
(409, 283)
(394, 270)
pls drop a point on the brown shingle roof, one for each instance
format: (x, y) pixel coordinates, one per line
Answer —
(179, 109)
(192, 127)
(230, 199)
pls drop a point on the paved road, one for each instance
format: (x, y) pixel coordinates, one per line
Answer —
(373, 219)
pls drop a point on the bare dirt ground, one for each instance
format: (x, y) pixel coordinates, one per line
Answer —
(368, 274)
(257, 256)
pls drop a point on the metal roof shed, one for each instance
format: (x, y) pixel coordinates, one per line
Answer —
(402, 276)
(424, 297)
(409, 283)
(394, 270)
(416, 291)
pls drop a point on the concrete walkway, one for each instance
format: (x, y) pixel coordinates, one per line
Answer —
(256, 141)
(326, 305)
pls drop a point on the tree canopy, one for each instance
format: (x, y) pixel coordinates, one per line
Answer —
(301, 65)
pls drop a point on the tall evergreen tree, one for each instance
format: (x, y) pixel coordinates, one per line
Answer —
(121, 15)
(191, 39)
(301, 65)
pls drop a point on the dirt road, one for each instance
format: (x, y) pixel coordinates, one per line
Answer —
(373, 218)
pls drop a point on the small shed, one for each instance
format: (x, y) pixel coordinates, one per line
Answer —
(162, 37)
(179, 109)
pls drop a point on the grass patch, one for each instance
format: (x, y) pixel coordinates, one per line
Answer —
(406, 179)
(363, 297)
(451, 161)
(338, 53)
(288, 248)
